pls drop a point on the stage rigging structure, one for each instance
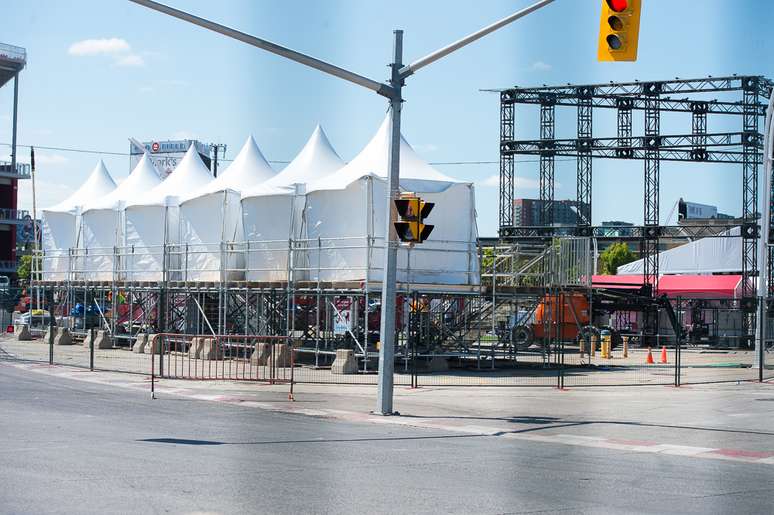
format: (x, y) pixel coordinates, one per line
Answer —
(738, 97)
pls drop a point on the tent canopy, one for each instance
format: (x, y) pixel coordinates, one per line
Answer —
(415, 173)
(98, 184)
(693, 286)
(189, 176)
(316, 160)
(705, 256)
(248, 169)
(143, 178)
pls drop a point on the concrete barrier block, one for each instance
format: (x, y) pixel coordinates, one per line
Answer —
(261, 354)
(22, 332)
(102, 340)
(345, 362)
(140, 343)
(211, 349)
(281, 353)
(438, 364)
(154, 345)
(63, 337)
(195, 347)
(47, 336)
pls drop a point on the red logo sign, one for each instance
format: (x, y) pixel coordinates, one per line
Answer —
(155, 146)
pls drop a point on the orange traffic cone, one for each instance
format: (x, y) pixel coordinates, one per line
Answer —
(650, 361)
(663, 355)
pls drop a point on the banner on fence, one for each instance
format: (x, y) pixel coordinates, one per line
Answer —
(342, 319)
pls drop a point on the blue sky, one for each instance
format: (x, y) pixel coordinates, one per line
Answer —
(159, 78)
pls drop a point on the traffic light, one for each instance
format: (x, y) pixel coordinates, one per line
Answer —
(412, 211)
(619, 30)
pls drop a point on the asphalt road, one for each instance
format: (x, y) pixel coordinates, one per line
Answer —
(74, 447)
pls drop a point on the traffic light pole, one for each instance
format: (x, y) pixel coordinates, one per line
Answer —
(389, 280)
(393, 92)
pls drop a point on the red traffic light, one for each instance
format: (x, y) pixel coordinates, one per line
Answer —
(618, 5)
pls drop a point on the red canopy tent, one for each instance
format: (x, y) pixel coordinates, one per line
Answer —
(693, 286)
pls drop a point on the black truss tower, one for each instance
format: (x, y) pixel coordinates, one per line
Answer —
(741, 96)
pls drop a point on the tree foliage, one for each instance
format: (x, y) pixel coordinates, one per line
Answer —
(614, 256)
(24, 270)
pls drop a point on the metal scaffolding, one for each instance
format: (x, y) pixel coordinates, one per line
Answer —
(741, 97)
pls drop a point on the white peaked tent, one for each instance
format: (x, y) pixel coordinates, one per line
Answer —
(273, 210)
(151, 223)
(211, 219)
(704, 256)
(347, 210)
(102, 223)
(60, 223)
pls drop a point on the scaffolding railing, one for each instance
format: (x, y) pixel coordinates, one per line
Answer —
(321, 259)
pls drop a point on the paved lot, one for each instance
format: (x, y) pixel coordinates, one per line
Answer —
(78, 446)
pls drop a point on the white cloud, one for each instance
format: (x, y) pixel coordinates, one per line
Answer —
(48, 194)
(108, 46)
(523, 183)
(50, 159)
(130, 60)
(540, 66)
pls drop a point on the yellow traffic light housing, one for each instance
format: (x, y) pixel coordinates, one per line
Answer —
(619, 30)
(412, 211)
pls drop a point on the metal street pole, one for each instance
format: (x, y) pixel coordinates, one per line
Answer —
(389, 279)
(393, 92)
(763, 241)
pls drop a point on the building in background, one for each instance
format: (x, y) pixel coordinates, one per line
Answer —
(13, 59)
(695, 211)
(618, 229)
(527, 212)
(166, 154)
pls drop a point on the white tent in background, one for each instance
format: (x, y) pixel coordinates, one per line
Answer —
(212, 216)
(704, 256)
(102, 224)
(272, 211)
(151, 223)
(60, 223)
(346, 210)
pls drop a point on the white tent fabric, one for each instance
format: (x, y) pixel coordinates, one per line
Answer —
(273, 211)
(346, 212)
(101, 222)
(704, 256)
(152, 222)
(317, 160)
(211, 219)
(61, 221)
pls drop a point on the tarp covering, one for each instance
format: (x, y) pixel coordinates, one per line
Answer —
(281, 201)
(214, 216)
(704, 256)
(101, 222)
(346, 211)
(689, 286)
(152, 223)
(61, 222)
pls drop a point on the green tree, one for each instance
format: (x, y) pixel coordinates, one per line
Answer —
(24, 270)
(614, 256)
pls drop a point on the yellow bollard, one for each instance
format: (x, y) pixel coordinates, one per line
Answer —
(606, 344)
(625, 346)
(594, 338)
(582, 345)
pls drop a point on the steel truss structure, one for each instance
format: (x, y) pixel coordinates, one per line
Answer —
(742, 96)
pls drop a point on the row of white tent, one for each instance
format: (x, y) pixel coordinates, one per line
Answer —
(318, 219)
